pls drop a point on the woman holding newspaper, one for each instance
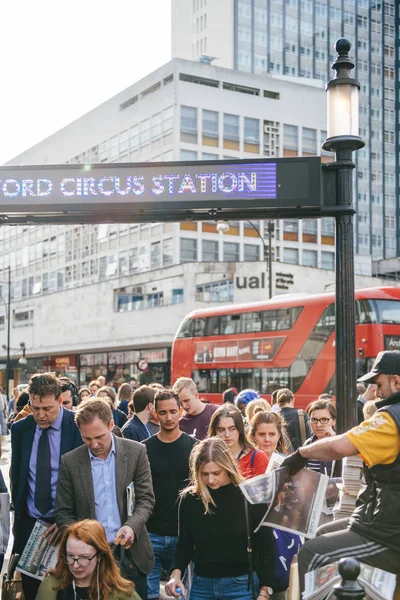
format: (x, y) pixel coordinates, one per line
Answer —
(86, 569)
(213, 533)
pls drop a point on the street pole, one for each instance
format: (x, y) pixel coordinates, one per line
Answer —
(270, 232)
(267, 251)
(343, 139)
(8, 365)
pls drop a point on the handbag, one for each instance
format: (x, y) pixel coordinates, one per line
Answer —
(11, 588)
(125, 562)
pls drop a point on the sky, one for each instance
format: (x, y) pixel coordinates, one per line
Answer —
(60, 59)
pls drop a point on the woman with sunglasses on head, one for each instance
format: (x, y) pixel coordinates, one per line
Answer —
(322, 417)
(86, 569)
(213, 533)
(227, 423)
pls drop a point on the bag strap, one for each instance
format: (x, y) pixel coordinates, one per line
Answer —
(302, 423)
(118, 547)
(250, 581)
(252, 459)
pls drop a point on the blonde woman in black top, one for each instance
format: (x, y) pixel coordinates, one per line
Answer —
(212, 532)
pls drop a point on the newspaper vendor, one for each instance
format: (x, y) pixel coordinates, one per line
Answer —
(372, 534)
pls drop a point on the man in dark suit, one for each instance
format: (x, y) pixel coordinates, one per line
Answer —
(94, 482)
(38, 441)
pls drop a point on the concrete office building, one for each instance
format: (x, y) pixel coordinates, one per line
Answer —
(64, 278)
(296, 38)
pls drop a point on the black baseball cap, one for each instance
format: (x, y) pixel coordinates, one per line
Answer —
(387, 362)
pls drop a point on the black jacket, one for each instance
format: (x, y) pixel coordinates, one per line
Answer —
(377, 515)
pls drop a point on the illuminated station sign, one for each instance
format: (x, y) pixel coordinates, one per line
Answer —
(123, 190)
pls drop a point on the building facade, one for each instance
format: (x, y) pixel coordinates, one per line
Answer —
(108, 327)
(64, 305)
(296, 38)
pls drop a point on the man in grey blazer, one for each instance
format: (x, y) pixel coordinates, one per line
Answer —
(93, 482)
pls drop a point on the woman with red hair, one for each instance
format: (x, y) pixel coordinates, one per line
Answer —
(86, 569)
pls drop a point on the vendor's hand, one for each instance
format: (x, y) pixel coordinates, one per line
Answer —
(125, 536)
(371, 392)
(295, 462)
(173, 583)
(53, 534)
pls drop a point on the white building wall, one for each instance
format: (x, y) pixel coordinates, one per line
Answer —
(85, 319)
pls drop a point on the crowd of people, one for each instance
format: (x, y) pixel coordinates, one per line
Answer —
(141, 484)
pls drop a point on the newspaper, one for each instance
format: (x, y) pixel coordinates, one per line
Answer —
(4, 521)
(130, 498)
(38, 556)
(378, 584)
(295, 502)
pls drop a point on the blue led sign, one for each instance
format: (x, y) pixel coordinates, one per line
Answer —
(156, 191)
(122, 183)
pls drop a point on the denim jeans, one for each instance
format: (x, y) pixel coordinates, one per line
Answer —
(224, 588)
(164, 550)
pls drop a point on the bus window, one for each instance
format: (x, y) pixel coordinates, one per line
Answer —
(262, 379)
(389, 311)
(212, 327)
(186, 329)
(281, 318)
(229, 324)
(365, 312)
(314, 344)
(251, 322)
(199, 328)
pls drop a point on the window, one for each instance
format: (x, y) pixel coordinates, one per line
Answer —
(291, 255)
(156, 255)
(22, 317)
(167, 252)
(210, 250)
(210, 123)
(231, 252)
(188, 155)
(251, 131)
(189, 120)
(327, 260)
(218, 291)
(123, 265)
(177, 296)
(231, 127)
(310, 258)
(310, 226)
(291, 137)
(188, 250)
(251, 252)
(309, 140)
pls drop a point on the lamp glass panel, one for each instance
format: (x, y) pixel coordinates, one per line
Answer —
(342, 110)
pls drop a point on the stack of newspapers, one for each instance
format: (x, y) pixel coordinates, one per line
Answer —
(378, 584)
(352, 482)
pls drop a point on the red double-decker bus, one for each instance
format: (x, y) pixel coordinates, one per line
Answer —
(288, 341)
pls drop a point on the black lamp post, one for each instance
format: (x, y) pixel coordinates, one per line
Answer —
(343, 139)
(223, 227)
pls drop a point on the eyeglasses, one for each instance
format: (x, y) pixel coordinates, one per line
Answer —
(323, 421)
(82, 561)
